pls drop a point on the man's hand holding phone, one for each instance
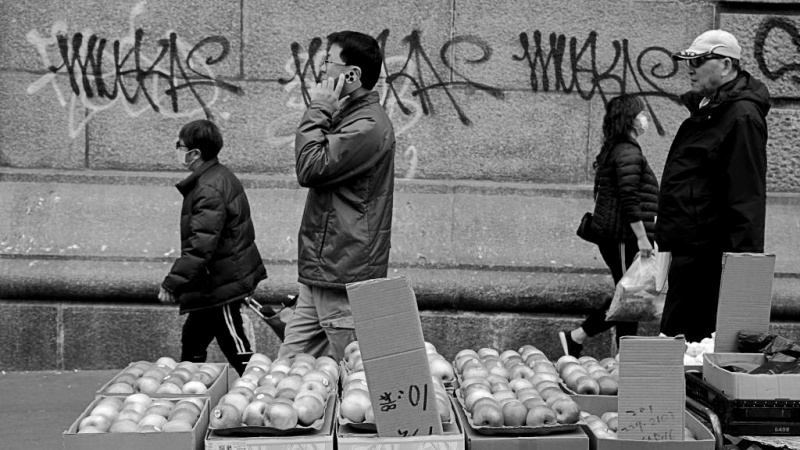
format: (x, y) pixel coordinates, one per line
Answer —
(328, 91)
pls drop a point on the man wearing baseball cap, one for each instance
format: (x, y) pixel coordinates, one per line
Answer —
(713, 189)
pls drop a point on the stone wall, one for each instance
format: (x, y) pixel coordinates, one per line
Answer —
(497, 109)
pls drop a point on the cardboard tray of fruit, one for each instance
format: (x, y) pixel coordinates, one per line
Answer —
(514, 431)
(253, 431)
(371, 427)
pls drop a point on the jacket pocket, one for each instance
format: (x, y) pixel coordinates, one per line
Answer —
(324, 235)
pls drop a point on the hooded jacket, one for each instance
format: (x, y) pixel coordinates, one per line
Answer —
(219, 260)
(713, 189)
(346, 159)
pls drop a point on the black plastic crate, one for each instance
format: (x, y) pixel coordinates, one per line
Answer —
(746, 417)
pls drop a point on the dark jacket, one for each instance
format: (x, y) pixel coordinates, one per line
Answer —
(219, 261)
(346, 159)
(713, 190)
(626, 191)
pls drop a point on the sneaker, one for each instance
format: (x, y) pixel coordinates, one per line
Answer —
(569, 346)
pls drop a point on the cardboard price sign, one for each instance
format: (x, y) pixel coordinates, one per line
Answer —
(395, 361)
(745, 298)
(652, 389)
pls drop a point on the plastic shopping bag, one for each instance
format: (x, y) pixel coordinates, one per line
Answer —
(636, 298)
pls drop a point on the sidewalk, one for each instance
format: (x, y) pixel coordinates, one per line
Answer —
(38, 406)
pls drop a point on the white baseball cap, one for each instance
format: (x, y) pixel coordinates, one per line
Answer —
(717, 42)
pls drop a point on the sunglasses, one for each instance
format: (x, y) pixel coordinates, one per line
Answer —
(697, 62)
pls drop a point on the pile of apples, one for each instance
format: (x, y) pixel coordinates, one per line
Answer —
(283, 394)
(164, 377)
(513, 388)
(587, 376)
(605, 426)
(142, 414)
(356, 405)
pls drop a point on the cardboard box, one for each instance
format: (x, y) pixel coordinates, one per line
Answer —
(217, 389)
(180, 440)
(572, 440)
(395, 360)
(743, 386)
(745, 298)
(598, 405)
(320, 440)
(452, 437)
(652, 388)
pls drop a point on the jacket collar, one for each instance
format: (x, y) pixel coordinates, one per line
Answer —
(360, 102)
(743, 87)
(186, 185)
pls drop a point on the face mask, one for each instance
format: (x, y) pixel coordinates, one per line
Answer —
(182, 157)
(640, 124)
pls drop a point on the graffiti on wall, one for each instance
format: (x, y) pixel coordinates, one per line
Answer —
(765, 29)
(105, 73)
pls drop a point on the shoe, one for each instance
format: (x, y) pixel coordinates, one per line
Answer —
(569, 346)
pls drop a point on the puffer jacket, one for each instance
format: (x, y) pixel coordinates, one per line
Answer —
(219, 260)
(346, 159)
(713, 189)
(626, 190)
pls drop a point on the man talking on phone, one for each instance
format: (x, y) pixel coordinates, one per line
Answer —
(344, 150)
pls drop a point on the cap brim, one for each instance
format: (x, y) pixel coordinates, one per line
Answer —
(686, 54)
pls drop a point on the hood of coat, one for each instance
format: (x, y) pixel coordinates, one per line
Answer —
(743, 87)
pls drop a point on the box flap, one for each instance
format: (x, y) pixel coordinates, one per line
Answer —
(745, 298)
(392, 348)
(652, 388)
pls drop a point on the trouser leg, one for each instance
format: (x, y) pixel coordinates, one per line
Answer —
(336, 318)
(693, 295)
(196, 335)
(303, 333)
(231, 336)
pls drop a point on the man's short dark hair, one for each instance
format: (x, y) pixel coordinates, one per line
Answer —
(736, 65)
(359, 49)
(204, 136)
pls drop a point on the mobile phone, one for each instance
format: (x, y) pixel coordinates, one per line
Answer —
(351, 82)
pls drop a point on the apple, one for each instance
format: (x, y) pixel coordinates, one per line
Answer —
(110, 411)
(512, 361)
(466, 392)
(499, 387)
(544, 376)
(96, 421)
(248, 394)
(462, 361)
(609, 363)
(521, 371)
(156, 372)
(518, 384)
(184, 414)
(169, 389)
(239, 401)
(252, 373)
(486, 351)
(161, 410)
(204, 377)
(360, 375)
(539, 416)
(260, 357)
(570, 367)
(550, 391)
(309, 409)
(90, 430)
(138, 398)
(355, 384)
(587, 386)
(551, 400)
(281, 416)
(176, 425)
(292, 382)
(199, 402)
(535, 358)
(253, 414)
(272, 377)
(514, 414)
(156, 420)
(468, 381)
(441, 368)
(287, 393)
(608, 386)
(194, 388)
(565, 359)
(355, 404)
(299, 370)
(545, 366)
(474, 396)
(430, 348)
(123, 426)
(542, 385)
(567, 411)
(507, 354)
(499, 395)
(572, 378)
(480, 372)
(533, 401)
(487, 415)
(249, 384)
(120, 388)
(350, 348)
(115, 401)
(225, 415)
(147, 385)
(189, 365)
(467, 351)
(166, 361)
(320, 376)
